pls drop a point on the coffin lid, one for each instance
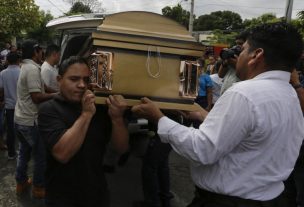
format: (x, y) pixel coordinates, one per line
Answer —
(145, 24)
(139, 29)
(77, 21)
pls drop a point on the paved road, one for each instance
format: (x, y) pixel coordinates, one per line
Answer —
(125, 184)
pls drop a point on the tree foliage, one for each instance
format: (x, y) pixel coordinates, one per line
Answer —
(40, 32)
(222, 20)
(299, 22)
(219, 36)
(79, 8)
(178, 14)
(300, 15)
(93, 5)
(17, 16)
(264, 18)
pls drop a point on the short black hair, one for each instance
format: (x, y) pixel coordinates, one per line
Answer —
(51, 49)
(29, 47)
(242, 36)
(13, 58)
(70, 61)
(281, 42)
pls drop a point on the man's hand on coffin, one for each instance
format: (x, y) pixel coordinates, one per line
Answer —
(148, 110)
(93, 86)
(88, 103)
(117, 107)
(195, 115)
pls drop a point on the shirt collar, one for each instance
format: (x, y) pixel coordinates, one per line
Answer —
(51, 66)
(13, 67)
(30, 61)
(274, 74)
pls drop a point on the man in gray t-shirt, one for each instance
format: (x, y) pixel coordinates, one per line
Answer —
(30, 92)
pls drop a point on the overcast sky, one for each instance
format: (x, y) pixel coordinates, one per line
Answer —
(246, 8)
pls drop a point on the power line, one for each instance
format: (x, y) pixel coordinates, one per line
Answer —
(63, 12)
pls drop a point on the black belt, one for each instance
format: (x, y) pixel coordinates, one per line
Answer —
(226, 200)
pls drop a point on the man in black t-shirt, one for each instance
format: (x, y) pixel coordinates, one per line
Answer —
(76, 133)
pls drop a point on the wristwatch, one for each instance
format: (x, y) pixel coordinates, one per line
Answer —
(297, 86)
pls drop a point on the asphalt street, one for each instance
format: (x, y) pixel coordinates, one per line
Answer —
(124, 184)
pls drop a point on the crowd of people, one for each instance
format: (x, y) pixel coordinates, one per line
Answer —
(244, 145)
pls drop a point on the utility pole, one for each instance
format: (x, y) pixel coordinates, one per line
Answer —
(288, 10)
(191, 17)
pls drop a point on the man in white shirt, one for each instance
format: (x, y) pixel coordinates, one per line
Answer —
(49, 70)
(249, 142)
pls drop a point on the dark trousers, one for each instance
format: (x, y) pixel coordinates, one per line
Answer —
(10, 139)
(293, 195)
(208, 199)
(155, 174)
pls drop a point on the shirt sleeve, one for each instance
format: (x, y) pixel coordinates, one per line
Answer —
(208, 81)
(51, 125)
(46, 76)
(226, 125)
(34, 81)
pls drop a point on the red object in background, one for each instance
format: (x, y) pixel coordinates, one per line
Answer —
(217, 49)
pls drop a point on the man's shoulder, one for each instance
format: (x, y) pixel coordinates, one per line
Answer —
(47, 105)
(45, 66)
(3, 72)
(10, 70)
(29, 65)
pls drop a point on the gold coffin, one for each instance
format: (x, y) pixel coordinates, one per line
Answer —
(147, 51)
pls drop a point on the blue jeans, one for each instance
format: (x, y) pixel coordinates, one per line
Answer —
(10, 138)
(30, 141)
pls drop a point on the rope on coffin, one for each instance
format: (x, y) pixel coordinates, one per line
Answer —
(148, 67)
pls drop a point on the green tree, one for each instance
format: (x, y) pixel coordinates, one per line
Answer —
(222, 20)
(78, 8)
(299, 22)
(93, 5)
(178, 14)
(264, 18)
(40, 32)
(300, 18)
(17, 16)
(220, 36)
(300, 15)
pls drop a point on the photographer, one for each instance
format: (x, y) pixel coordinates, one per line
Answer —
(227, 68)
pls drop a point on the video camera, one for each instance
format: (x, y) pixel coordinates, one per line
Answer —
(230, 53)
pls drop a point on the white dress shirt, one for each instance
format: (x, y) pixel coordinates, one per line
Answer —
(49, 75)
(249, 142)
